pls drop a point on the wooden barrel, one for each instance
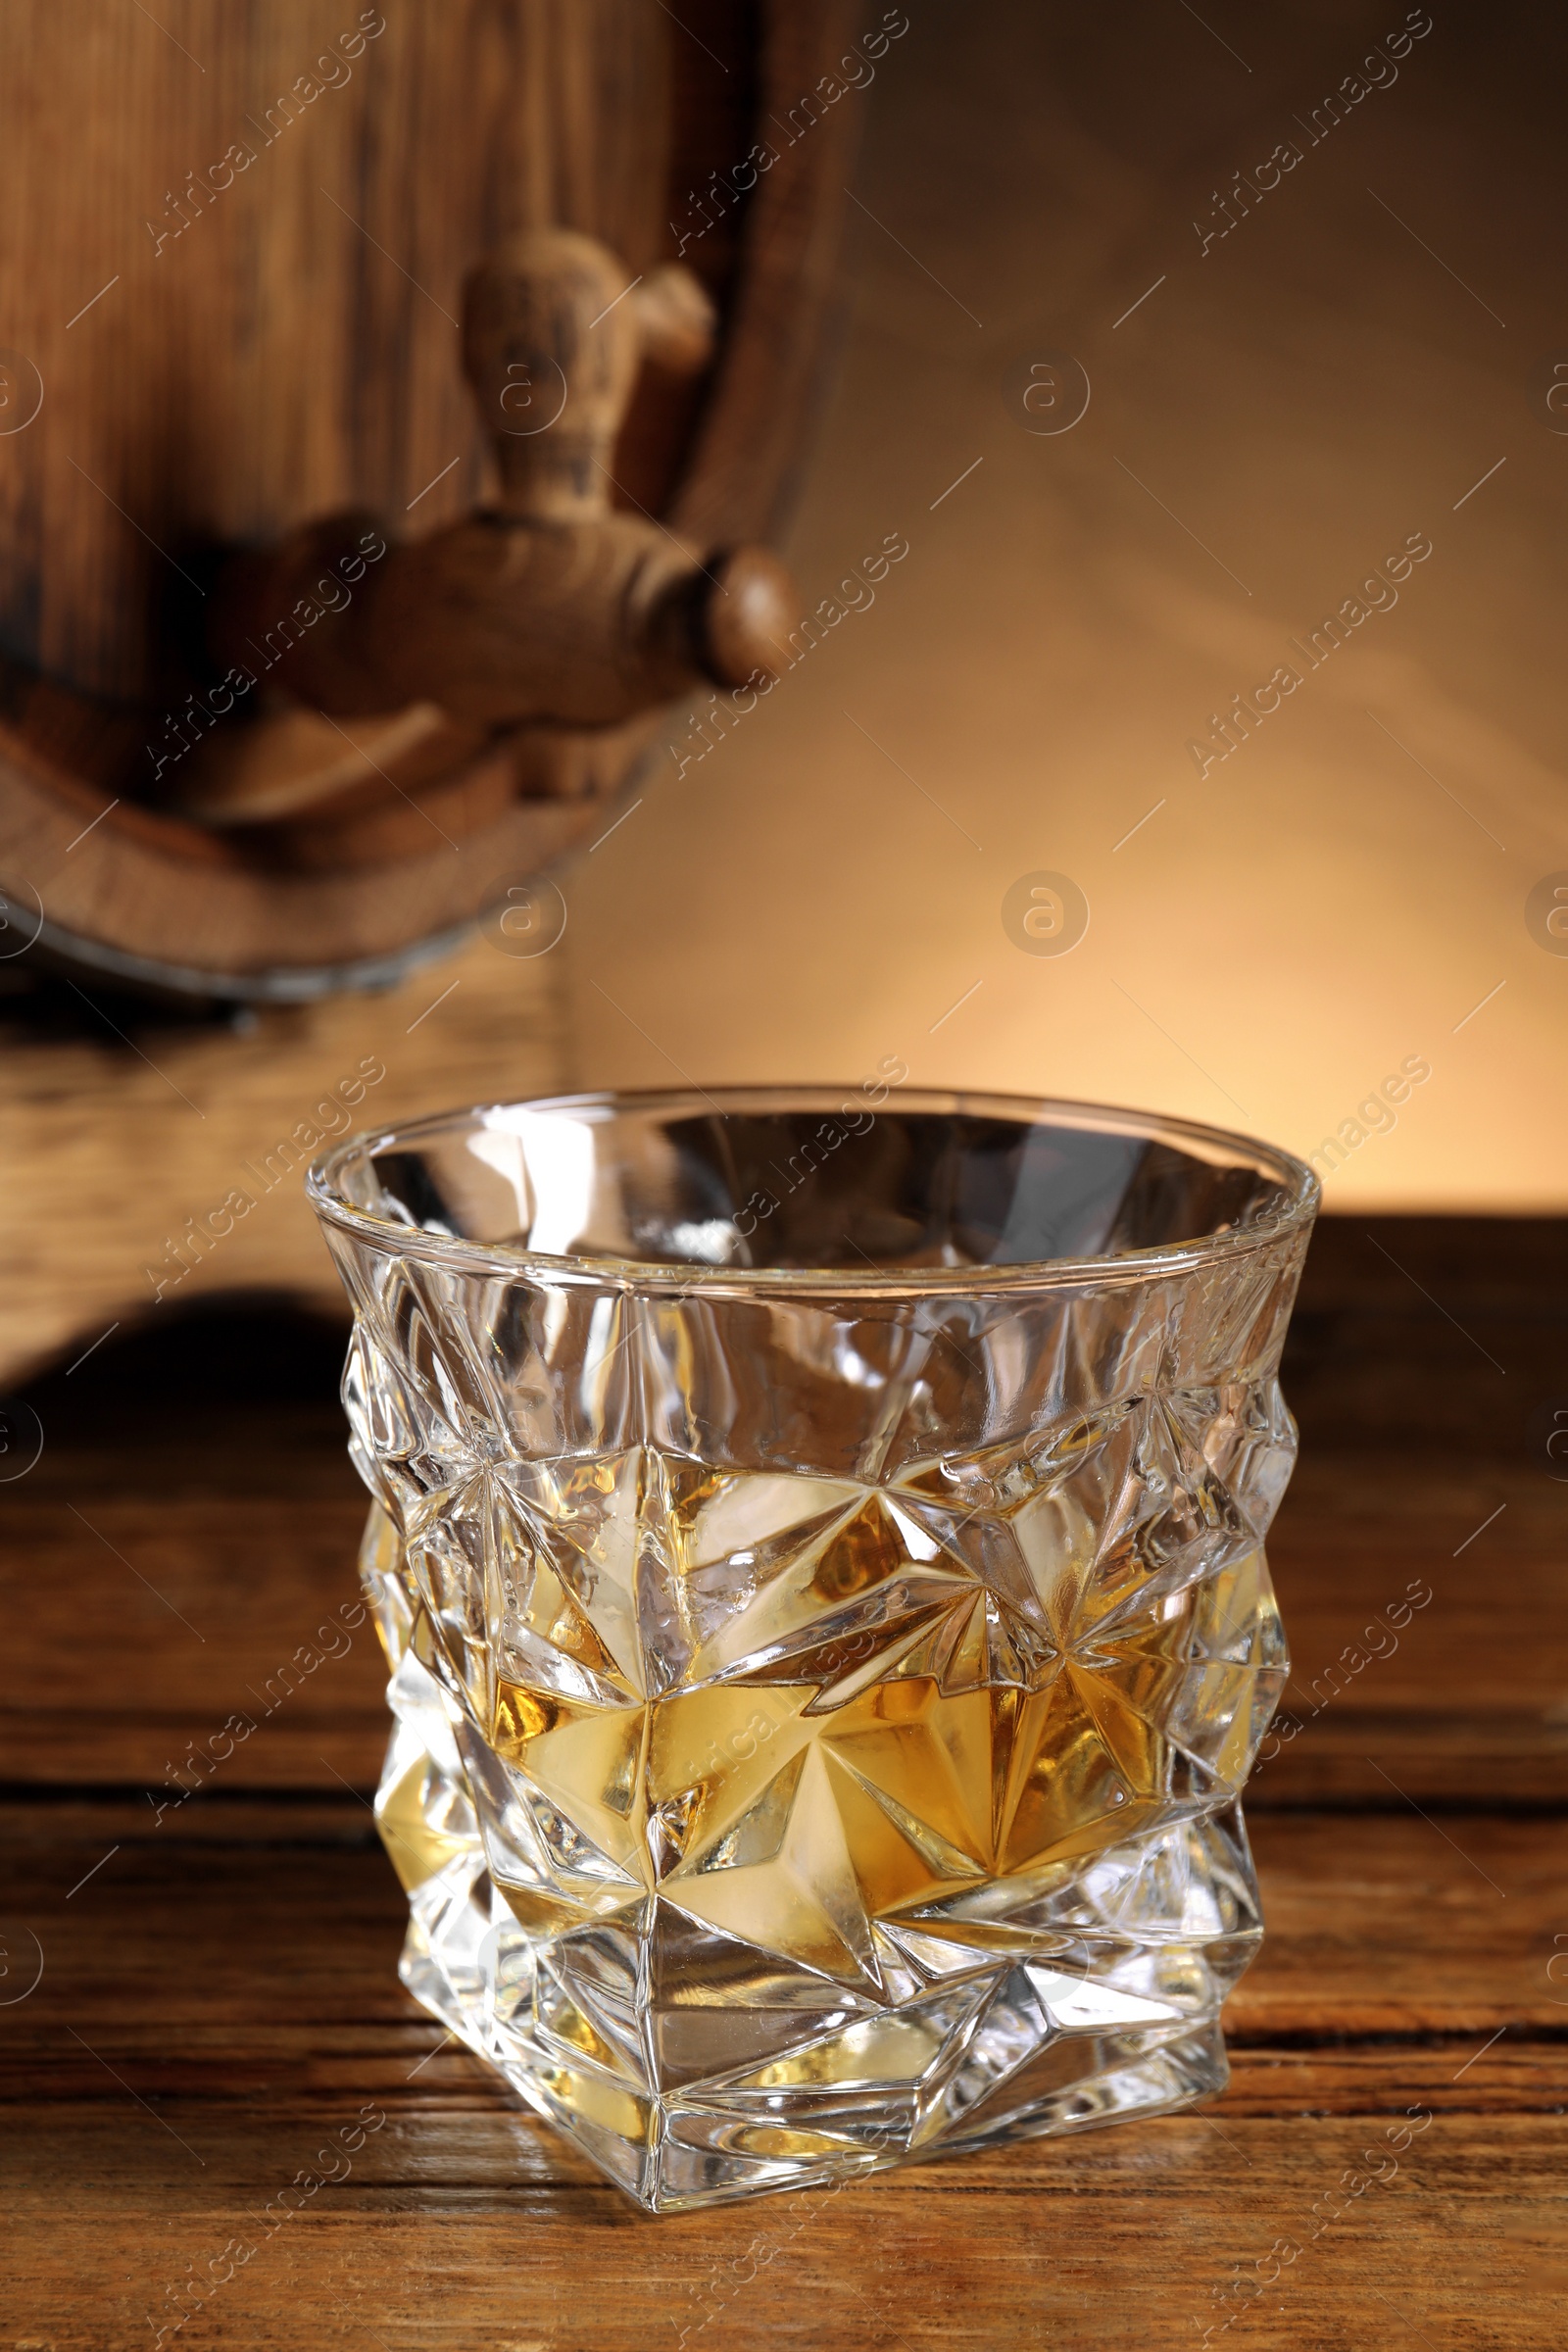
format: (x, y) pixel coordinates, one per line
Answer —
(232, 248)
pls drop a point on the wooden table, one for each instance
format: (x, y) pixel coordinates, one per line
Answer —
(219, 2003)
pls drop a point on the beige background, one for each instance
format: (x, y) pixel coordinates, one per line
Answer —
(1283, 933)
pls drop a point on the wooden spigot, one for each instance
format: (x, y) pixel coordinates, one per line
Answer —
(550, 605)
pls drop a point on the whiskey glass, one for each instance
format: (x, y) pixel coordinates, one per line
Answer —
(817, 1541)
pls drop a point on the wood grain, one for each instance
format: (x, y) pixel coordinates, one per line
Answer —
(292, 350)
(277, 1963)
(218, 1996)
(116, 1133)
(1465, 1704)
(1467, 1708)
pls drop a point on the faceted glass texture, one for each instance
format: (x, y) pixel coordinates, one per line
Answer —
(818, 1544)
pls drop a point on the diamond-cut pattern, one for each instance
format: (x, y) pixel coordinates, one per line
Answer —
(818, 1725)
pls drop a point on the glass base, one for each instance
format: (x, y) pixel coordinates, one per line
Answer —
(693, 2068)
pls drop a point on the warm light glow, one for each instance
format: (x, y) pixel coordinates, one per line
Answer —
(1332, 886)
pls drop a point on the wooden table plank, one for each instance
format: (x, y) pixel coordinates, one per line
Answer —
(180, 1551)
(1125, 2238)
(179, 1610)
(1378, 1924)
(229, 1966)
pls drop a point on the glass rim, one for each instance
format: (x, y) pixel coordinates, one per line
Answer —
(657, 1277)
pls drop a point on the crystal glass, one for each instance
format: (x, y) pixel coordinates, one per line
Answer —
(818, 1544)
